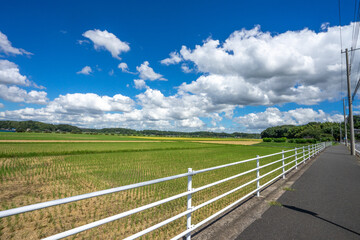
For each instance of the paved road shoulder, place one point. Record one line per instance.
(325, 203)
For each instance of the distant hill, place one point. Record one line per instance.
(35, 126)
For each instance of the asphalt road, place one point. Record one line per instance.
(325, 203)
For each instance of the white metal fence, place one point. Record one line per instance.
(357, 146)
(357, 152)
(300, 155)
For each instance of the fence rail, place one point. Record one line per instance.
(357, 152)
(300, 155)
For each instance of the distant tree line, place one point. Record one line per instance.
(34, 126)
(313, 130)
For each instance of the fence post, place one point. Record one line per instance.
(296, 163)
(312, 150)
(309, 151)
(188, 216)
(317, 149)
(304, 154)
(258, 175)
(283, 163)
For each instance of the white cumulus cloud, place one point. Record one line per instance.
(151, 110)
(16, 94)
(7, 48)
(108, 41)
(139, 84)
(194, 122)
(173, 59)
(185, 68)
(124, 68)
(147, 73)
(324, 26)
(85, 70)
(274, 117)
(90, 103)
(252, 67)
(10, 74)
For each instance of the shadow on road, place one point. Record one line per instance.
(316, 216)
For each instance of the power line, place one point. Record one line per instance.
(341, 45)
(355, 37)
(355, 32)
(356, 26)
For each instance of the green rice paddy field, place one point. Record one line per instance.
(33, 172)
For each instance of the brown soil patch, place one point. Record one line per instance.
(230, 142)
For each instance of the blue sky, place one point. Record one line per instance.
(236, 66)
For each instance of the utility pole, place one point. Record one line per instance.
(340, 133)
(350, 104)
(346, 139)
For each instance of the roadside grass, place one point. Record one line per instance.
(275, 203)
(38, 172)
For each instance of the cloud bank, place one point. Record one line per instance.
(274, 117)
(252, 67)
